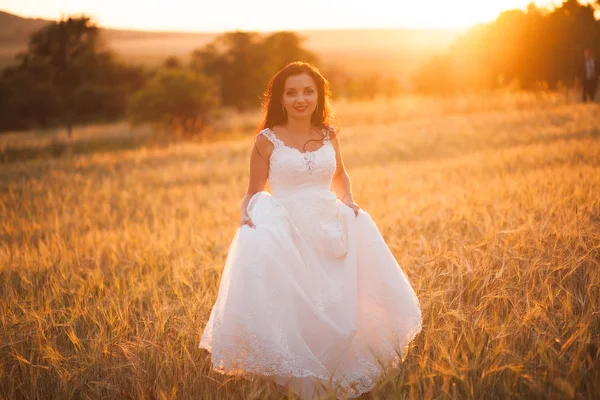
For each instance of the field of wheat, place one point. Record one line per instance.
(111, 255)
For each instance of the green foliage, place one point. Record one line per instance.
(241, 63)
(178, 98)
(530, 48)
(65, 78)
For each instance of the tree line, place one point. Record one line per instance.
(67, 76)
(528, 49)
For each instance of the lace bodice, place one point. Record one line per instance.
(292, 171)
(300, 182)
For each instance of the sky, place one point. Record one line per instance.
(271, 15)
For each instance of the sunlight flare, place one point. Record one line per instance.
(270, 15)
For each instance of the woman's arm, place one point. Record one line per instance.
(259, 172)
(341, 185)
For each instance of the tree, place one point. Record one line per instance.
(180, 99)
(172, 62)
(234, 60)
(66, 77)
(282, 48)
(533, 47)
(241, 63)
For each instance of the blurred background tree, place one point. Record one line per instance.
(176, 98)
(66, 78)
(533, 48)
(241, 63)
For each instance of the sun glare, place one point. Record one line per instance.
(270, 15)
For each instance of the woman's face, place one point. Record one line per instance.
(299, 96)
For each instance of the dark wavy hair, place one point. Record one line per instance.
(323, 117)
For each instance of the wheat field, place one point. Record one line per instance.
(111, 257)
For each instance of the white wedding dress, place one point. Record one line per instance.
(312, 297)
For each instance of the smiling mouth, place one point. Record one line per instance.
(300, 108)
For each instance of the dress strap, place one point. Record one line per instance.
(268, 133)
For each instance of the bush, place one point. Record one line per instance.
(178, 99)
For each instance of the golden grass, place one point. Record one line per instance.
(110, 260)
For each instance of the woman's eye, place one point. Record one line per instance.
(290, 93)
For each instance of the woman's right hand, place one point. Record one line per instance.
(246, 220)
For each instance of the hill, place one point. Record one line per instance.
(15, 29)
(399, 50)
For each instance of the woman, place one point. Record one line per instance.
(310, 295)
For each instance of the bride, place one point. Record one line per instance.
(310, 295)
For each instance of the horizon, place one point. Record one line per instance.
(317, 29)
(351, 15)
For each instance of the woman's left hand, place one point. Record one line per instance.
(350, 203)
